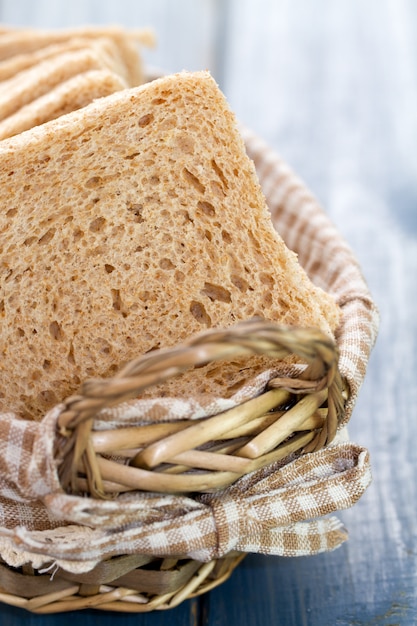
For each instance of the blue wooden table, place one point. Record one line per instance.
(332, 86)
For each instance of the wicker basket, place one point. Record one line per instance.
(148, 480)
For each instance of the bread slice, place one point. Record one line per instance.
(129, 41)
(69, 96)
(129, 225)
(39, 79)
(20, 62)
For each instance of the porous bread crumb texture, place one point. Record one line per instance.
(222, 378)
(132, 225)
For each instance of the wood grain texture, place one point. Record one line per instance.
(333, 88)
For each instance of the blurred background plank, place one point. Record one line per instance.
(187, 31)
(332, 86)
(335, 92)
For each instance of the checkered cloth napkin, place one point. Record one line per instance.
(284, 509)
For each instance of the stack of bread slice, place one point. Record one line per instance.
(46, 74)
(132, 224)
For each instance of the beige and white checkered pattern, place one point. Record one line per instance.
(283, 509)
(326, 257)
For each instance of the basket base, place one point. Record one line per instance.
(152, 584)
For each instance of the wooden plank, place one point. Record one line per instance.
(336, 95)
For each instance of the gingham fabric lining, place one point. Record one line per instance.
(326, 257)
(280, 510)
(276, 511)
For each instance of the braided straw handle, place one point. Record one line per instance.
(160, 462)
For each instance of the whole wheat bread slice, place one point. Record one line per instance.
(131, 224)
(129, 41)
(69, 96)
(20, 62)
(34, 82)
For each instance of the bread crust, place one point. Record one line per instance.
(38, 80)
(74, 93)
